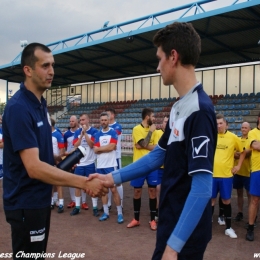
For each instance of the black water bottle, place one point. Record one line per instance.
(72, 159)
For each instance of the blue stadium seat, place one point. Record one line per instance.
(227, 96)
(252, 106)
(239, 119)
(238, 107)
(226, 113)
(238, 113)
(229, 101)
(245, 106)
(232, 113)
(237, 126)
(246, 113)
(231, 120)
(239, 133)
(231, 126)
(231, 107)
(225, 107)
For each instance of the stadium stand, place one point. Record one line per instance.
(236, 108)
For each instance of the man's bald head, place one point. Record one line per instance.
(73, 117)
(245, 128)
(73, 122)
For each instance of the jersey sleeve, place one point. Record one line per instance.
(65, 139)
(137, 135)
(114, 137)
(96, 140)
(21, 128)
(118, 129)
(251, 137)
(60, 140)
(94, 132)
(248, 144)
(239, 146)
(76, 135)
(200, 141)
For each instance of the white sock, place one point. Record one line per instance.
(83, 196)
(105, 207)
(94, 202)
(55, 196)
(72, 193)
(52, 201)
(119, 210)
(121, 193)
(61, 202)
(77, 199)
(109, 195)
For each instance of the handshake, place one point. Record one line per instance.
(97, 185)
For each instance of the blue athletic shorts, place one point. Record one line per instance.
(239, 182)
(151, 179)
(255, 184)
(85, 170)
(223, 186)
(160, 174)
(106, 170)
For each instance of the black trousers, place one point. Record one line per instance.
(30, 231)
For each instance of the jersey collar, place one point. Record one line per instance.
(32, 97)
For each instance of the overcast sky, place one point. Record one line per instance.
(48, 21)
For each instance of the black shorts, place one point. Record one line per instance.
(30, 230)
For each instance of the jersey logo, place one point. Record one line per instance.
(39, 123)
(176, 132)
(200, 146)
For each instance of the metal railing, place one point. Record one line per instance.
(68, 103)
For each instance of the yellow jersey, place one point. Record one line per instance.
(245, 167)
(255, 156)
(139, 133)
(227, 144)
(159, 134)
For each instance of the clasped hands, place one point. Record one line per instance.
(98, 184)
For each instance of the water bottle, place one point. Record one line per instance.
(72, 159)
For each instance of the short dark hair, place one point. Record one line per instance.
(53, 122)
(28, 58)
(84, 114)
(146, 112)
(104, 114)
(221, 116)
(181, 37)
(112, 110)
